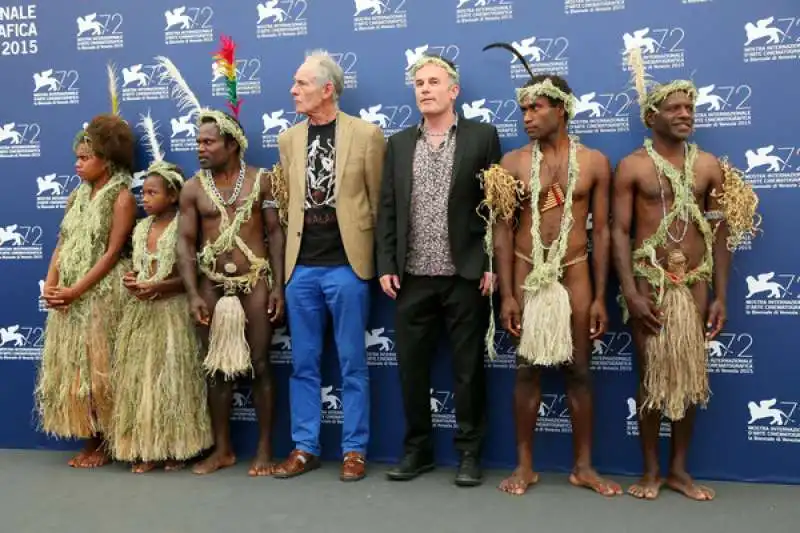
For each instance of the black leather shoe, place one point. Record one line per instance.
(410, 467)
(469, 471)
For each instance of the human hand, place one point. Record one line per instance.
(390, 284)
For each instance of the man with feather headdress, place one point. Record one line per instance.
(689, 210)
(229, 209)
(84, 290)
(539, 200)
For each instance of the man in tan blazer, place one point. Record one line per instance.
(333, 164)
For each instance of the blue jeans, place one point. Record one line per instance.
(310, 293)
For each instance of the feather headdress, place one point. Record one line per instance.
(113, 84)
(181, 92)
(225, 58)
(543, 88)
(649, 93)
(171, 173)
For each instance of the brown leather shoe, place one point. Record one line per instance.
(354, 467)
(298, 462)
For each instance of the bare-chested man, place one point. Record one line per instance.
(671, 191)
(548, 302)
(228, 193)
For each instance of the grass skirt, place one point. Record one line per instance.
(676, 375)
(160, 409)
(73, 389)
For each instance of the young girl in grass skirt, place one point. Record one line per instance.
(160, 409)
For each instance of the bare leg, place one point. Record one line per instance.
(527, 397)
(650, 484)
(259, 333)
(220, 393)
(579, 386)
(679, 478)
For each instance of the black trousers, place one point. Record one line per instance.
(424, 305)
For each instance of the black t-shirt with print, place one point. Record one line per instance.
(321, 244)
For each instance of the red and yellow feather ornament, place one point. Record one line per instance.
(225, 58)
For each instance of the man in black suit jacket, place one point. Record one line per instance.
(430, 242)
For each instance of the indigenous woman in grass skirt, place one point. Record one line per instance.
(160, 409)
(84, 290)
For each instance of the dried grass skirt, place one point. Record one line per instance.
(73, 389)
(160, 410)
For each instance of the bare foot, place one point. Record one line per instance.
(214, 462)
(173, 466)
(96, 459)
(141, 468)
(589, 478)
(682, 482)
(519, 481)
(262, 465)
(647, 488)
(88, 449)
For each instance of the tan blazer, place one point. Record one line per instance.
(360, 146)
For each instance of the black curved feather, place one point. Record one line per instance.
(513, 51)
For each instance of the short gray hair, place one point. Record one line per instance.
(327, 70)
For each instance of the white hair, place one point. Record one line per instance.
(327, 70)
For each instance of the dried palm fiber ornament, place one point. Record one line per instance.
(228, 351)
(546, 337)
(160, 408)
(73, 391)
(676, 376)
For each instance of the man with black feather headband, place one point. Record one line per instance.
(539, 199)
(690, 211)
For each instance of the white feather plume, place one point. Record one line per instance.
(151, 138)
(186, 100)
(112, 88)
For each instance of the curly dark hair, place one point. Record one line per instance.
(112, 140)
(227, 137)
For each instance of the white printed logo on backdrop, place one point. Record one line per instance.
(242, 409)
(661, 47)
(18, 30)
(331, 405)
(773, 167)
(772, 294)
(506, 356)
(613, 352)
(553, 414)
(20, 242)
(281, 18)
(772, 39)
(380, 347)
(445, 51)
(56, 87)
(503, 114)
(347, 61)
(730, 353)
(601, 113)
(183, 133)
(545, 55)
(248, 77)
(274, 123)
(186, 25)
(281, 349)
(574, 7)
(20, 139)
(632, 422)
(142, 81)
(21, 343)
(100, 31)
(53, 189)
(373, 15)
(471, 11)
(443, 413)
(772, 420)
(391, 118)
(723, 106)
